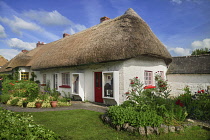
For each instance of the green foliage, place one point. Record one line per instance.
(200, 51)
(4, 98)
(14, 101)
(33, 76)
(16, 74)
(14, 126)
(22, 88)
(134, 117)
(197, 105)
(147, 106)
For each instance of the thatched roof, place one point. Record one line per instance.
(2, 61)
(190, 65)
(124, 37)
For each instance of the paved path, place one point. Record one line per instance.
(75, 105)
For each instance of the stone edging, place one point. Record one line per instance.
(148, 129)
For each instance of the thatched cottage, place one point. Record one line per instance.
(3, 61)
(97, 63)
(191, 71)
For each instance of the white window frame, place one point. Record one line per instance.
(148, 77)
(65, 77)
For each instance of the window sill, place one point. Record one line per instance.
(108, 97)
(64, 86)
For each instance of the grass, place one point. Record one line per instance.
(85, 125)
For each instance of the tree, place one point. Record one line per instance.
(201, 51)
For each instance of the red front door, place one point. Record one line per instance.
(98, 86)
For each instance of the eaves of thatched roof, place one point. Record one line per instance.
(199, 64)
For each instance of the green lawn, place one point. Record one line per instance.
(85, 125)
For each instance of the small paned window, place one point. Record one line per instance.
(66, 79)
(148, 78)
(24, 75)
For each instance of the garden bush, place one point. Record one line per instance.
(197, 105)
(15, 127)
(148, 106)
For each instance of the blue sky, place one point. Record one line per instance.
(181, 25)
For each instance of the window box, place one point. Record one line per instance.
(65, 86)
(42, 84)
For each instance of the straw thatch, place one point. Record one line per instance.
(3, 61)
(190, 65)
(124, 37)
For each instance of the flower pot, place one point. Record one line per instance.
(38, 105)
(53, 103)
(25, 104)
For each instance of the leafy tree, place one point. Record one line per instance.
(200, 51)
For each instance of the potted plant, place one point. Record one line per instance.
(53, 101)
(25, 102)
(54, 97)
(38, 103)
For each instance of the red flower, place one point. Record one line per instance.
(202, 91)
(181, 104)
(178, 102)
(16, 81)
(199, 91)
(127, 93)
(132, 83)
(137, 77)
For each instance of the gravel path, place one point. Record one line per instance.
(75, 105)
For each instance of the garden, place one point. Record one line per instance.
(149, 109)
(28, 94)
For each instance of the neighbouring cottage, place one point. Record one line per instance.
(192, 71)
(3, 61)
(97, 63)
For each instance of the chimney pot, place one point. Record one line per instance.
(65, 34)
(24, 51)
(39, 44)
(102, 19)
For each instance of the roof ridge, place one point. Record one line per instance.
(131, 12)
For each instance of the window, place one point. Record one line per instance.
(65, 79)
(24, 75)
(108, 87)
(44, 79)
(148, 79)
(55, 81)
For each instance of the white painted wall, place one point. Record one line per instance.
(135, 68)
(195, 82)
(127, 69)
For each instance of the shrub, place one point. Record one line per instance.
(4, 98)
(16, 126)
(14, 101)
(148, 106)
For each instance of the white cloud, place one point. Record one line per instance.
(177, 1)
(18, 24)
(47, 18)
(201, 44)
(18, 44)
(2, 32)
(178, 51)
(9, 53)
